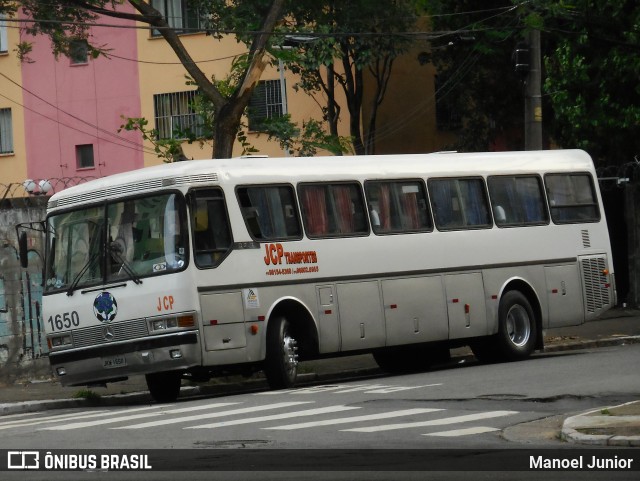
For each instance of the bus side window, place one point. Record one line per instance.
(517, 200)
(333, 210)
(210, 226)
(269, 212)
(572, 198)
(459, 203)
(398, 206)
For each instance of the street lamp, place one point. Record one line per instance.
(30, 185)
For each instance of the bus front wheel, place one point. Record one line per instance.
(281, 364)
(164, 386)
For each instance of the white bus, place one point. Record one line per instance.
(195, 269)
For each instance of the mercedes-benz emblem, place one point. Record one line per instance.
(107, 333)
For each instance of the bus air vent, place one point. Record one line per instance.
(189, 179)
(586, 241)
(596, 288)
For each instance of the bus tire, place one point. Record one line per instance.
(164, 386)
(281, 364)
(517, 329)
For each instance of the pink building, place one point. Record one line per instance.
(74, 108)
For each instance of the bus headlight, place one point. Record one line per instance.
(167, 323)
(59, 341)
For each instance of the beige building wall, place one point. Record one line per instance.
(406, 120)
(161, 72)
(13, 166)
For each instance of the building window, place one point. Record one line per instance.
(265, 103)
(179, 14)
(6, 132)
(176, 117)
(84, 156)
(3, 34)
(79, 51)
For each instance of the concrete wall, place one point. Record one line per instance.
(23, 346)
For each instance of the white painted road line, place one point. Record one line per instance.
(219, 414)
(435, 422)
(463, 432)
(67, 417)
(355, 419)
(295, 414)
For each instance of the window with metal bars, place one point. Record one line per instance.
(265, 103)
(175, 116)
(6, 132)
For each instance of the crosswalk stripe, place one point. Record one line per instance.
(218, 414)
(295, 414)
(434, 422)
(67, 417)
(200, 408)
(463, 432)
(354, 419)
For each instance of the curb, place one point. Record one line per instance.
(587, 421)
(606, 342)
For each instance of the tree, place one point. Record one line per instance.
(252, 21)
(476, 79)
(359, 36)
(592, 72)
(590, 53)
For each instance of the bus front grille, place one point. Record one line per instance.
(106, 333)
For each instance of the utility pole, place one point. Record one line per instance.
(533, 96)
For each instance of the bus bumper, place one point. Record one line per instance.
(117, 361)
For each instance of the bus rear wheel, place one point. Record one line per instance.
(281, 364)
(164, 386)
(517, 332)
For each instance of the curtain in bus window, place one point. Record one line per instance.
(442, 195)
(410, 216)
(277, 212)
(171, 232)
(259, 202)
(385, 208)
(532, 204)
(474, 202)
(315, 209)
(344, 209)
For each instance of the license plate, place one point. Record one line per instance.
(116, 361)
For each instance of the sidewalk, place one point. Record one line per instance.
(614, 426)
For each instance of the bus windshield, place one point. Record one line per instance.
(119, 241)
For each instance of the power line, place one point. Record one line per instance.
(100, 129)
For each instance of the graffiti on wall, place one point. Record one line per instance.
(23, 346)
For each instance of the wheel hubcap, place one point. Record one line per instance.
(518, 325)
(290, 355)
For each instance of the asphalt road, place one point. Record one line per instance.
(463, 406)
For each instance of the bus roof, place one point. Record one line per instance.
(255, 169)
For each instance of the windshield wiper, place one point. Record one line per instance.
(76, 279)
(116, 250)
